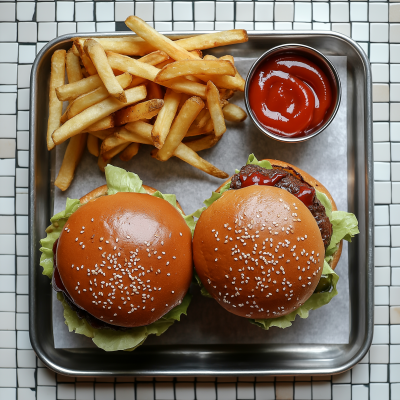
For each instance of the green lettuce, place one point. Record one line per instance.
(53, 233)
(344, 226)
(130, 339)
(118, 180)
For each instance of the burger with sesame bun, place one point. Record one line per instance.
(120, 260)
(267, 242)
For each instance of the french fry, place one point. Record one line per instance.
(73, 67)
(154, 58)
(102, 163)
(104, 124)
(145, 110)
(212, 40)
(157, 40)
(89, 99)
(136, 46)
(154, 91)
(223, 102)
(84, 72)
(198, 53)
(195, 67)
(193, 78)
(165, 118)
(116, 72)
(88, 64)
(134, 67)
(238, 77)
(64, 117)
(149, 72)
(110, 143)
(206, 142)
(86, 61)
(103, 134)
(98, 56)
(202, 118)
(234, 113)
(139, 132)
(71, 159)
(179, 127)
(164, 63)
(205, 130)
(114, 151)
(75, 50)
(183, 100)
(55, 105)
(191, 157)
(73, 90)
(224, 81)
(95, 113)
(214, 106)
(127, 45)
(129, 152)
(93, 145)
(226, 94)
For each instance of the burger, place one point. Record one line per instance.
(266, 246)
(120, 260)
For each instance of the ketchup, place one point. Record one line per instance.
(290, 95)
(258, 179)
(305, 194)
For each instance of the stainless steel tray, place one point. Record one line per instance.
(198, 360)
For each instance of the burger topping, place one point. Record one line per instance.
(255, 175)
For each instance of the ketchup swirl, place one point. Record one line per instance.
(305, 193)
(290, 95)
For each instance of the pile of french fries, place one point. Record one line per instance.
(171, 97)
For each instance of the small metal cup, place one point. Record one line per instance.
(319, 59)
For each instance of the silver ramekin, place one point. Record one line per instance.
(319, 59)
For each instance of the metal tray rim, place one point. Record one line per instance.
(363, 348)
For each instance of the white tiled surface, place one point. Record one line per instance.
(374, 24)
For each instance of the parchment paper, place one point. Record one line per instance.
(325, 157)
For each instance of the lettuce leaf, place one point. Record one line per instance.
(53, 233)
(118, 180)
(345, 226)
(111, 340)
(253, 160)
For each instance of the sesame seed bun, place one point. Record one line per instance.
(126, 258)
(302, 175)
(258, 251)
